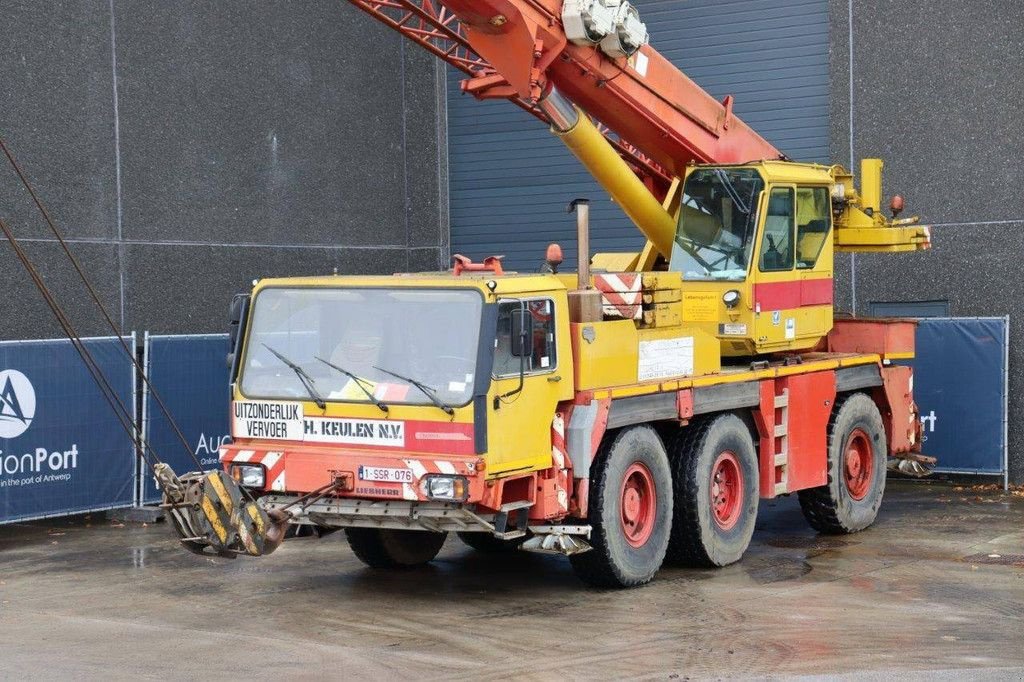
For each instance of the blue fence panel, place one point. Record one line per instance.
(960, 387)
(62, 448)
(191, 376)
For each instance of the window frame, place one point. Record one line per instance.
(769, 190)
(828, 232)
(554, 331)
(246, 338)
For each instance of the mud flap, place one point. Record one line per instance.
(212, 515)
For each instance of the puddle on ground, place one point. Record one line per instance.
(813, 542)
(778, 573)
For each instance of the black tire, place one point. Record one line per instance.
(488, 544)
(614, 561)
(388, 548)
(702, 537)
(837, 508)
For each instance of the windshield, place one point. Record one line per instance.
(363, 345)
(717, 222)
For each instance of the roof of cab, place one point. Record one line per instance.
(508, 283)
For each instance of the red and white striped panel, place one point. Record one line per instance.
(621, 294)
(420, 468)
(272, 461)
(560, 459)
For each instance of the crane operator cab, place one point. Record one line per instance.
(754, 249)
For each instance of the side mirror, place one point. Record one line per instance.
(237, 313)
(522, 334)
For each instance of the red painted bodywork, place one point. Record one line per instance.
(866, 335)
(895, 399)
(516, 49)
(810, 398)
(311, 467)
(795, 294)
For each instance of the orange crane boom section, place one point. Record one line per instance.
(518, 49)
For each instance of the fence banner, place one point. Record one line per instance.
(191, 377)
(960, 386)
(62, 448)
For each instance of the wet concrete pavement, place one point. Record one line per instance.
(916, 596)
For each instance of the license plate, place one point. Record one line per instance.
(385, 475)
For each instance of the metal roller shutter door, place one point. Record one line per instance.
(510, 180)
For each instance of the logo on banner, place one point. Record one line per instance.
(17, 403)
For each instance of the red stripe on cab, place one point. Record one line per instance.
(796, 294)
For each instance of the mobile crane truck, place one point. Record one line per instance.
(630, 413)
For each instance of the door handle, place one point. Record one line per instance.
(555, 379)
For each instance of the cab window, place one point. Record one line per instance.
(540, 323)
(813, 216)
(777, 243)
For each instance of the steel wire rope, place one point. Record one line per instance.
(130, 352)
(125, 418)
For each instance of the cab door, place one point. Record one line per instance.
(792, 281)
(532, 373)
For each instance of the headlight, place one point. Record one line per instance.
(731, 298)
(249, 475)
(450, 488)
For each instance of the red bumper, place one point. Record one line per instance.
(297, 468)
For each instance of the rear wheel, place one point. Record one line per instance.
(857, 452)
(630, 510)
(488, 544)
(389, 548)
(716, 492)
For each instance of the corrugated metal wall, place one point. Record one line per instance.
(511, 181)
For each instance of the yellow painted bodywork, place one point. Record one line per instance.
(813, 362)
(608, 352)
(519, 431)
(859, 226)
(862, 226)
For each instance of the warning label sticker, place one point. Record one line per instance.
(664, 358)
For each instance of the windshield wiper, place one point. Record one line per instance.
(304, 378)
(359, 382)
(426, 390)
(723, 177)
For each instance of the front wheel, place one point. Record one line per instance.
(857, 452)
(390, 548)
(630, 510)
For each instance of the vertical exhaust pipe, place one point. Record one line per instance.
(585, 301)
(582, 209)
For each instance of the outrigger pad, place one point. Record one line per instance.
(213, 513)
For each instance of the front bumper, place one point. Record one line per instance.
(399, 514)
(301, 469)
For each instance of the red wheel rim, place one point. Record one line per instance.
(858, 464)
(726, 490)
(638, 502)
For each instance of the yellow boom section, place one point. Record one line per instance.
(587, 143)
(861, 226)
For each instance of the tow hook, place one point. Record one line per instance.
(213, 516)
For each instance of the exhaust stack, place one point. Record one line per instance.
(585, 301)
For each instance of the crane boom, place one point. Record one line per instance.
(594, 53)
(657, 118)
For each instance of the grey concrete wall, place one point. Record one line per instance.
(186, 148)
(936, 92)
